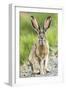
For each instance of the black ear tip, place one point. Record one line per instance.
(32, 17)
(49, 17)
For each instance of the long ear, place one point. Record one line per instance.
(47, 23)
(34, 23)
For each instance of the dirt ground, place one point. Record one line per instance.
(25, 71)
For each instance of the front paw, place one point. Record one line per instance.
(42, 73)
(47, 70)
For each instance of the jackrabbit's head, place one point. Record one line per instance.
(41, 31)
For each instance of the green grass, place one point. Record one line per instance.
(28, 35)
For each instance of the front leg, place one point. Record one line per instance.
(46, 64)
(42, 67)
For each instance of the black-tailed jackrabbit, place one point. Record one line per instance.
(39, 53)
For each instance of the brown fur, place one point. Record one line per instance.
(41, 50)
(37, 54)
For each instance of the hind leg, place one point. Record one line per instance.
(35, 70)
(35, 67)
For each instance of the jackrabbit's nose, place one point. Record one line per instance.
(41, 42)
(41, 37)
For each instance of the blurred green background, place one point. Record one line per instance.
(28, 36)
